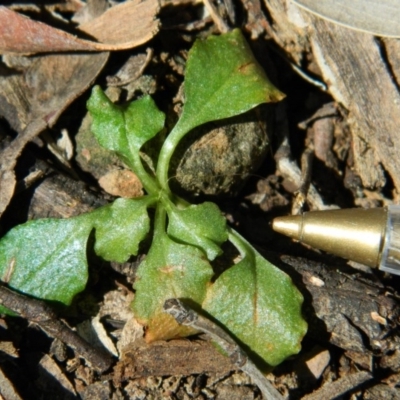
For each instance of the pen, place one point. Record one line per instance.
(368, 236)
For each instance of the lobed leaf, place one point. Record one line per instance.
(200, 225)
(259, 304)
(46, 258)
(124, 129)
(121, 227)
(170, 270)
(223, 79)
(108, 124)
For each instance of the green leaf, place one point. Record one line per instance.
(46, 258)
(121, 227)
(170, 270)
(222, 79)
(200, 225)
(143, 121)
(124, 129)
(259, 304)
(108, 123)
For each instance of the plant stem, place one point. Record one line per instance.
(245, 248)
(240, 243)
(149, 183)
(170, 144)
(160, 221)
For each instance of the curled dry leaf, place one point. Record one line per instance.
(125, 26)
(113, 30)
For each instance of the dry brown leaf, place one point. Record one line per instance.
(34, 99)
(124, 26)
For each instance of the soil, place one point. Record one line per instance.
(336, 130)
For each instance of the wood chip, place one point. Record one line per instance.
(176, 357)
(317, 364)
(339, 387)
(52, 368)
(7, 390)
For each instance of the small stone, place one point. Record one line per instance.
(122, 183)
(217, 158)
(318, 363)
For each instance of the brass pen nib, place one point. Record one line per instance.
(290, 226)
(370, 237)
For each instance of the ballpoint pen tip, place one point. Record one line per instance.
(289, 225)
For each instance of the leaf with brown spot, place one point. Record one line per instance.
(170, 270)
(221, 69)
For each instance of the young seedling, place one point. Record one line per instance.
(253, 300)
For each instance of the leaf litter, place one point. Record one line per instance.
(84, 381)
(35, 91)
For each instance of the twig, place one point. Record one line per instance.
(43, 315)
(218, 21)
(339, 387)
(305, 181)
(186, 316)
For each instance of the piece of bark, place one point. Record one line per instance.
(380, 392)
(289, 36)
(339, 387)
(357, 76)
(256, 21)
(338, 307)
(7, 390)
(392, 49)
(59, 196)
(96, 391)
(311, 365)
(50, 373)
(176, 357)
